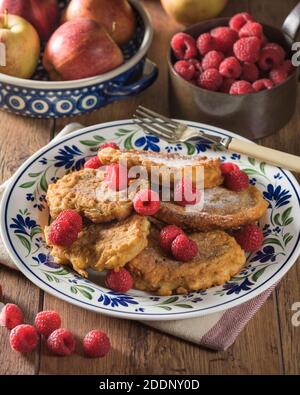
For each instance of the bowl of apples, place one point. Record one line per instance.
(60, 58)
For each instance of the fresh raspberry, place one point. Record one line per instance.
(47, 322)
(24, 338)
(239, 20)
(186, 193)
(11, 316)
(269, 58)
(261, 85)
(197, 64)
(184, 249)
(167, 235)
(210, 79)
(184, 46)
(96, 344)
(61, 342)
(225, 38)
(119, 281)
(185, 69)
(109, 145)
(230, 68)
(236, 180)
(288, 66)
(251, 29)
(264, 41)
(146, 202)
(250, 237)
(278, 75)
(116, 177)
(206, 43)
(228, 167)
(277, 48)
(241, 88)
(64, 230)
(93, 163)
(247, 49)
(212, 60)
(250, 72)
(226, 85)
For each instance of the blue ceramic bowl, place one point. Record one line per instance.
(41, 98)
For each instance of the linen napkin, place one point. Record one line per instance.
(216, 331)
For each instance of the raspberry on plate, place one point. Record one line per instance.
(250, 72)
(228, 167)
(146, 202)
(119, 281)
(116, 177)
(47, 322)
(96, 344)
(278, 75)
(72, 217)
(65, 228)
(184, 46)
(93, 163)
(226, 85)
(185, 69)
(184, 249)
(236, 180)
(262, 84)
(210, 79)
(269, 58)
(186, 193)
(206, 43)
(250, 237)
(167, 235)
(11, 316)
(212, 60)
(251, 29)
(247, 49)
(230, 68)
(24, 338)
(109, 145)
(61, 342)
(239, 20)
(225, 38)
(241, 88)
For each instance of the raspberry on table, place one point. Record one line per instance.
(251, 29)
(277, 48)
(146, 202)
(241, 88)
(119, 281)
(262, 84)
(278, 75)
(167, 235)
(212, 60)
(247, 49)
(250, 72)
(109, 144)
(116, 177)
(186, 193)
(184, 249)
(239, 20)
(230, 68)
(96, 344)
(184, 46)
(225, 38)
(24, 338)
(11, 316)
(226, 85)
(92, 163)
(185, 69)
(269, 58)
(228, 167)
(210, 79)
(47, 322)
(65, 228)
(61, 342)
(236, 180)
(206, 43)
(250, 237)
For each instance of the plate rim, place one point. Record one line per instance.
(164, 316)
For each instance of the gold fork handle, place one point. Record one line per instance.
(268, 155)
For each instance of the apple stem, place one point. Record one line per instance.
(5, 23)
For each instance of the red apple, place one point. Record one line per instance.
(42, 14)
(116, 16)
(80, 48)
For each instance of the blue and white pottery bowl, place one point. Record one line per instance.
(41, 98)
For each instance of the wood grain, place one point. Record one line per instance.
(268, 345)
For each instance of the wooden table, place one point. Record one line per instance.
(269, 344)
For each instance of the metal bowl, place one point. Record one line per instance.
(41, 98)
(251, 115)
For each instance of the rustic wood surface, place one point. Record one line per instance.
(268, 345)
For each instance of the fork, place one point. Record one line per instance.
(178, 132)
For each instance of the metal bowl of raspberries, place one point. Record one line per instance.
(235, 73)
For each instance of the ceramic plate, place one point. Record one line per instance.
(24, 213)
